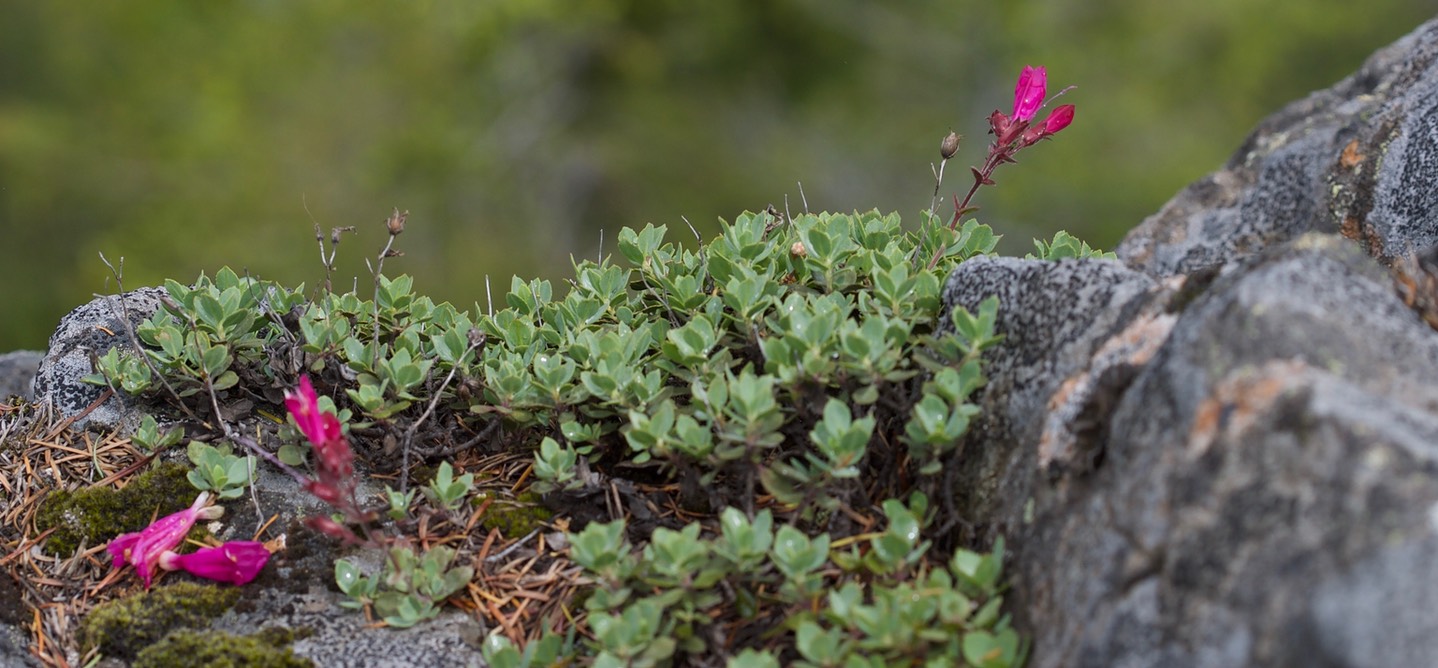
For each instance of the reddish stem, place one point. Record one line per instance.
(981, 176)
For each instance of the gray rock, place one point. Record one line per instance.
(83, 334)
(1227, 453)
(1356, 158)
(1055, 318)
(1259, 484)
(341, 638)
(17, 373)
(14, 614)
(297, 592)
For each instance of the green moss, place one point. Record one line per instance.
(183, 649)
(280, 636)
(123, 627)
(97, 514)
(514, 518)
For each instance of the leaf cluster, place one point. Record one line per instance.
(794, 373)
(877, 603)
(410, 587)
(218, 470)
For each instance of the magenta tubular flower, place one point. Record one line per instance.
(121, 547)
(317, 426)
(236, 562)
(1059, 119)
(1029, 93)
(323, 429)
(144, 549)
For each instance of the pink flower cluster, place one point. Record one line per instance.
(334, 461)
(235, 562)
(1014, 131)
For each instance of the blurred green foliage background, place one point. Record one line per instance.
(187, 136)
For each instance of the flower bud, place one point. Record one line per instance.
(330, 528)
(950, 145)
(324, 492)
(998, 123)
(797, 250)
(1059, 119)
(477, 338)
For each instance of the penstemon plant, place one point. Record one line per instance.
(1012, 133)
(412, 585)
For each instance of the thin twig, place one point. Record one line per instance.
(691, 229)
(673, 319)
(378, 272)
(135, 340)
(515, 546)
(488, 431)
(488, 298)
(938, 181)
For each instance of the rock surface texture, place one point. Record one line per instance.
(1223, 450)
(84, 334)
(17, 373)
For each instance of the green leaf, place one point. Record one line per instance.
(291, 454)
(796, 554)
(987, 650)
(347, 576)
(752, 658)
(216, 360)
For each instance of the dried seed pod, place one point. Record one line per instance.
(476, 338)
(950, 145)
(395, 223)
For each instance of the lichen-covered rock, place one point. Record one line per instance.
(1047, 380)
(84, 334)
(1261, 488)
(14, 614)
(1272, 457)
(1357, 158)
(1227, 454)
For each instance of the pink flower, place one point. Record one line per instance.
(332, 451)
(1059, 119)
(304, 404)
(236, 562)
(144, 549)
(1029, 93)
